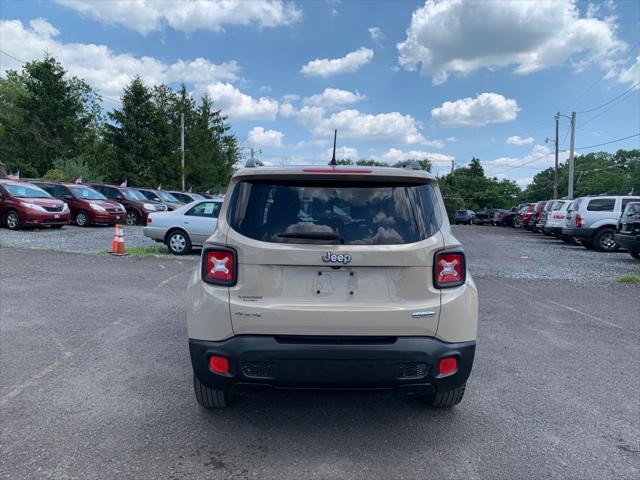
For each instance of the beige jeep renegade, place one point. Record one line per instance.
(332, 278)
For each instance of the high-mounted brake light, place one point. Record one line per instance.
(220, 266)
(336, 170)
(449, 269)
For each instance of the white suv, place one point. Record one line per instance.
(592, 221)
(332, 278)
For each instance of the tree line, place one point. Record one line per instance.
(52, 126)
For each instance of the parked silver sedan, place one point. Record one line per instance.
(185, 227)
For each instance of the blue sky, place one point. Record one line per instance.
(445, 80)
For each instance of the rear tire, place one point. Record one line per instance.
(209, 397)
(446, 399)
(604, 240)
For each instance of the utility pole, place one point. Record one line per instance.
(571, 149)
(452, 164)
(182, 147)
(251, 153)
(555, 174)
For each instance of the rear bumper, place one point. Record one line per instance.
(579, 233)
(628, 241)
(154, 233)
(553, 230)
(407, 364)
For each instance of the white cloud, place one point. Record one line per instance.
(454, 36)
(376, 34)
(326, 67)
(102, 68)
(351, 124)
(519, 141)
(541, 157)
(524, 182)
(287, 110)
(486, 108)
(240, 106)
(145, 16)
(259, 137)
(394, 155)
(631, 74)
(344, 153)
(332, 97)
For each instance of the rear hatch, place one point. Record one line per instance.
(335, 255)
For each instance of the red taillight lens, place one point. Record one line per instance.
(448, 365)
(578, 221)
(219, 266)
(219, 364)
(149, 220)
(449, 269)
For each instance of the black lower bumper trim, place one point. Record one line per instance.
(628, 241)
(260, 362)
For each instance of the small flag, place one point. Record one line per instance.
(159, 187)
(190, 189)
(78, 180)
(14, 176)
(124, 184)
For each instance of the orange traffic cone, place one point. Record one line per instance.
(117, 247)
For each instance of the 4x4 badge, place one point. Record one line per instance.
(336, 258)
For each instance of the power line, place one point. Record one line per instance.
(612, 100)
(11, 56)
(603, 112)
(594, 84)
(607, 143)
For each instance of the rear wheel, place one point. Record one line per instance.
(82, 219)
(178, 242)
(448, 398)
(604, 240)
(12, 220)
(209, 397)
(517, 223)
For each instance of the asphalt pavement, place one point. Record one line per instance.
(96, 380)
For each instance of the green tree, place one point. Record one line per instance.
(45, 115)
(132, 135)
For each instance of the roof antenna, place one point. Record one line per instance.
(333, 162)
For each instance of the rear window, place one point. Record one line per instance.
(601, 205)
(336, 212)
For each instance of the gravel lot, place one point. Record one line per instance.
(96, 380)
(73, 239)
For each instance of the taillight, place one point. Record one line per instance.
(449, 269)
(448, 365)
(220, 266)
(578, 221)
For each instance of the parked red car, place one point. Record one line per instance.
(536, 216)
(137, 205)
(88, 206)
(26, 205)
(525, 216)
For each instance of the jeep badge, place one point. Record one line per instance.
(336, 258)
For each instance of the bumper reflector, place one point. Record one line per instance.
(448, 365)
(219, 364)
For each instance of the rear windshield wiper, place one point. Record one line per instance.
(312, 236)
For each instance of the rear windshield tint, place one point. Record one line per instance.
(337, 212)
